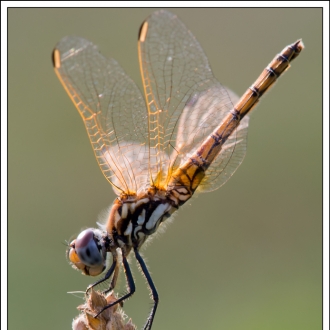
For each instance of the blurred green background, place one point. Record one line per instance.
(247, 256)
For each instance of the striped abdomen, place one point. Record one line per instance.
(191, 172)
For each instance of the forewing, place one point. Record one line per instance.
(112, 109)
(185, 102)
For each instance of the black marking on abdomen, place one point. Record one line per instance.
(272, 73)
(236, 114)
(283, 57)
(255, 91)
(217, 139)
(221, 139)
(195, 162)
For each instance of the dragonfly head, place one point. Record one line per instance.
(87, 253)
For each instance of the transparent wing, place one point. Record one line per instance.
(185, 102)
(191, 133)
(112, 109)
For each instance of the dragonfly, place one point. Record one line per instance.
(186, 135)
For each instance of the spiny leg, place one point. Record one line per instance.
(114, 279)
(152, 288)
(130, 283)
(113, 268)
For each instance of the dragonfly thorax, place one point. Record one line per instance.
(133, 218)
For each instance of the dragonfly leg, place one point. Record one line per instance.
(113, 268)
(152, 288)
(114, 279)
(130, 283)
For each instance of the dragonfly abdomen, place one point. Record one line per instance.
(191, 172)
(270, 74)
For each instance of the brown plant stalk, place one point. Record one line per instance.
(112, 318)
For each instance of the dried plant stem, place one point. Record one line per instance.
(112, 318)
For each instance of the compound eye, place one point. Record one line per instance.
(87, 249)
